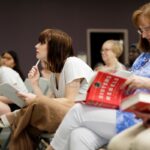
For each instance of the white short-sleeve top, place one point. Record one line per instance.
(74, 68)
(8, 75)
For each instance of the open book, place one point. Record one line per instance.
(106, 91)
(136, 102)
(10, 92)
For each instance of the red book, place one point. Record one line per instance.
(136, 102)
(106, 91)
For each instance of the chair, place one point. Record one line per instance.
(45, 139)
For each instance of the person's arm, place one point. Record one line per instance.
(71, 91)
(5, 100)
(135, 82)
(145, 116)
(34, 76)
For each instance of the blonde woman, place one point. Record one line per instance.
(111, 51)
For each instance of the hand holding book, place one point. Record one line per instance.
(145, 116)
(135, 82)
(116, 91)
(106, 91)
(140, 101)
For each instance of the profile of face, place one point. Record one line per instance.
(7, 60)
(54, 47)
(41, 51)
(107, 52)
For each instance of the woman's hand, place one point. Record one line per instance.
(145, 116)
(27, 97)
(134, 82)
(34, 75)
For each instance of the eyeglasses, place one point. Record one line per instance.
(105, 50)
(144, 30)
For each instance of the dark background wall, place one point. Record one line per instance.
(21, 21)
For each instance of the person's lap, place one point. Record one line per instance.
(123, 140)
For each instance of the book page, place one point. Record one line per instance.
(123, 73)
(10, 92)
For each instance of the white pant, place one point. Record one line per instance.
(84, 126)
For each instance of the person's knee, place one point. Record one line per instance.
(85, 139)
(41, 105)
(76, 109)
(114, 144)
(75, 136)
(4, 108)
(141, 142)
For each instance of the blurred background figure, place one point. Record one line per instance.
(111, 51)
(8, 75)
(134, 52)
(10, 59)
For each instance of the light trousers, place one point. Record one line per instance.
(85, 126)
(134, 138)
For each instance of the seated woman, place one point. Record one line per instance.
(88, 128)
(10, 59)
(137, 137)
(8, 75)
(111, 51)
(69, 81)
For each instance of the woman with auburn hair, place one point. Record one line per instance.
(88, 128)
(137, 137)
(68, 83)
